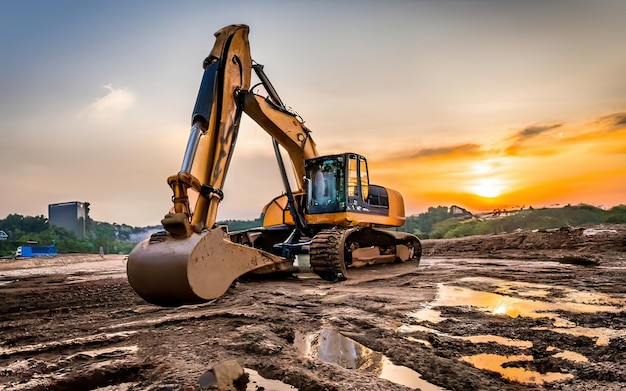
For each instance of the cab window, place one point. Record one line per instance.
(325, 187)
(353, 177)
(365, 186)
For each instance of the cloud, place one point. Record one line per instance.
(534, 130)
(441, 152)
(528, 133)
(613, 121)
(518, 149)
(620, 119)
(606, 133)
(110, 106)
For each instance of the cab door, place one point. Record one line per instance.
(358, 180)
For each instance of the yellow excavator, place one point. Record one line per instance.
(333, 215)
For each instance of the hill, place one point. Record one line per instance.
(444, 223)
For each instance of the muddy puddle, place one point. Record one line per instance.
(568, 355)
(257, 382)
(331, 346)
(503, 365)
(517, 299)
(601, 335)
(514, 300)
(486, 338)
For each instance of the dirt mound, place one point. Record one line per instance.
(578, 245)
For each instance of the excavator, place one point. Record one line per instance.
(331, 213)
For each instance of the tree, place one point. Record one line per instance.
(422, 224)
(15, 225)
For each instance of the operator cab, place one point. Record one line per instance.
(340, 183)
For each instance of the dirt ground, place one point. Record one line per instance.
(519, 311)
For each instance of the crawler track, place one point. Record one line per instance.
(331, 249)
(327, 254)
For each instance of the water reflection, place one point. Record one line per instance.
(472, 338)
(500, 304)
(427, 314)
(333, 347)
(495, 363)
(258, 382)
(505, 287)
(512, 306)
(499, 340)
(603, 335)
(519, 299)
(527, 289)
(571, 356)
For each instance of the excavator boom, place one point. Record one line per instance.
(192, 261)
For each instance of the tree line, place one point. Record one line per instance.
(436, 223)
(114, 238)
(439, 222)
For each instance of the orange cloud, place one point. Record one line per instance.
(613, 121)
(446, 152)
(530, 132)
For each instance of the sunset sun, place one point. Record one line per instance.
(487, 187)
(487, 182)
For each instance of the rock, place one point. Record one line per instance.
(224, 376)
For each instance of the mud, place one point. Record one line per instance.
(520, 311)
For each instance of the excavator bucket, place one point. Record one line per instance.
(171, 272)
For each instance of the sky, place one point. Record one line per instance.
(483, 104)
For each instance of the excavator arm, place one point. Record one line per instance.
(192, 260)
(215, 124)
(284, 127)
(224, 94)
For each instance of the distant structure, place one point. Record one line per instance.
(458, 212)
(70, 215)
